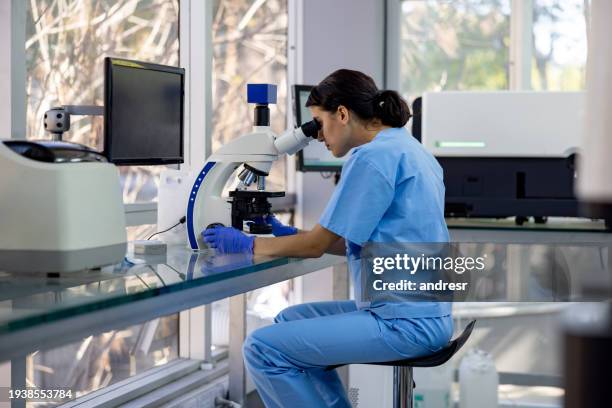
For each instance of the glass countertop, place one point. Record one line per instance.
(28, 299)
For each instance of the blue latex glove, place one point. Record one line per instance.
(228, 240)
(278, 229)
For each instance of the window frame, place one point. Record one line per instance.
(12, 72)
(195, 48)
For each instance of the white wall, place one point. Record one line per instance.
(336, 34)
(343, 34)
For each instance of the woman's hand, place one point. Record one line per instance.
(278, 228)
(228, 240)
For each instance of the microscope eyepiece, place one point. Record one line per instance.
(311, 129)
(294, 140)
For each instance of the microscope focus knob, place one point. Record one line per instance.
(214, 225)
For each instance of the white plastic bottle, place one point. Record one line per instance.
(478, 381)
(433, 386)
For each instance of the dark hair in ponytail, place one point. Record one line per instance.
(358, 92)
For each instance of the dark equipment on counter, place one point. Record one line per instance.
(250, 205)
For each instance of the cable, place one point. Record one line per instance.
(155, 272)
(181, 221)
(180, 274)
(143, 281)
(336, 178)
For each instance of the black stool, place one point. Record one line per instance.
(402, 369)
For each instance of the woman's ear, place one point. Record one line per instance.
(343, 114)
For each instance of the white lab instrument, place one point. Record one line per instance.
(61, 208)
(506, 153)
(502, 123)
(256, 152)
(149, 247)
(478, 381)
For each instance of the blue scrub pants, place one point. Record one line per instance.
(287, 360)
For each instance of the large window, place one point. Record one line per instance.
(104, 359)
(66, 42)
(249, 46)
(559, 44)
(466, 45)
(458, 45)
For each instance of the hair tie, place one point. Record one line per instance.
(377, 97)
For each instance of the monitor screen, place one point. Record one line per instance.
(315, 156)
(143, 112)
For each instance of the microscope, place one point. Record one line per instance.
(252, 155)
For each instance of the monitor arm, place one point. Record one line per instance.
(57, 119)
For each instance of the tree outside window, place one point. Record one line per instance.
(66, 42)
(249, 46)
(559, 44)
(458, 45)
(465, 45)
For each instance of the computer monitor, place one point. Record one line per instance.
(315, 157)
(143, 112)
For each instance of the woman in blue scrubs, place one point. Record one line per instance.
(391, 191)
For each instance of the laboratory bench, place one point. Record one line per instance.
(42, 311)
(573, 256)
(574, 249)
(60, 309)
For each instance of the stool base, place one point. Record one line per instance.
(403, 387)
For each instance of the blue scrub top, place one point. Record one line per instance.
(391, 190)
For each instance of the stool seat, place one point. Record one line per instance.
(431, 360)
